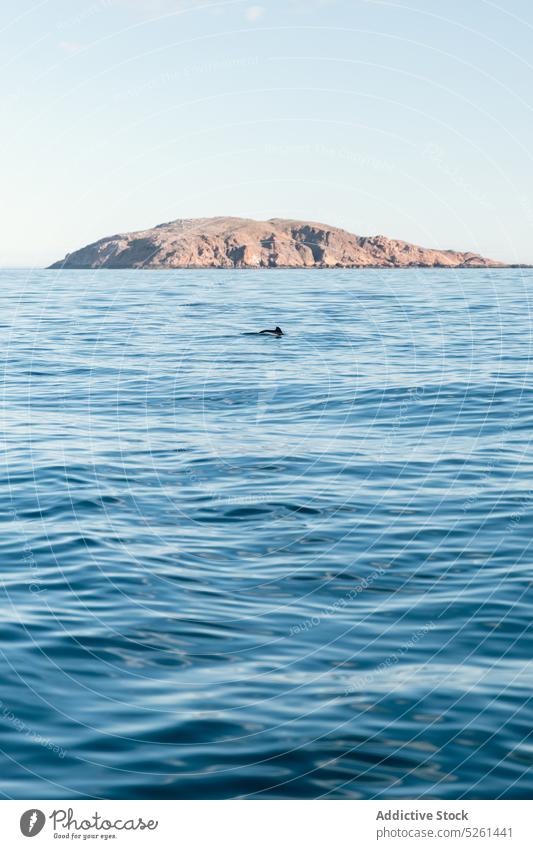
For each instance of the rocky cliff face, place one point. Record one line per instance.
(244, 243)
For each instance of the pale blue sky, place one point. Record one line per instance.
(409, 119)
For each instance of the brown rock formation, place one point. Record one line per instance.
(244, 243)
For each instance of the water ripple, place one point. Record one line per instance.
(242, 567)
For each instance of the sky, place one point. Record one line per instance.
(408, 119)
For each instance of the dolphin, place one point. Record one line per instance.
(277, 332)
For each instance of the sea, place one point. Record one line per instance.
(242, 566)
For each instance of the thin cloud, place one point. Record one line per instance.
(253, 13)
(71, 47)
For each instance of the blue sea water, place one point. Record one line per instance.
(242, 566)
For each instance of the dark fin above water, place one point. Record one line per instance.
(276, 332)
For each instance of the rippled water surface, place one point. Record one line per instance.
(237, 565)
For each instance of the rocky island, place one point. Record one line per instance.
(245, 243)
